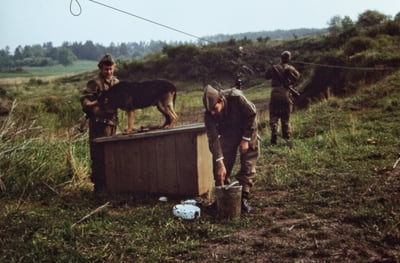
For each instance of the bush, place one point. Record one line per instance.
(358, 44)
(65, 111)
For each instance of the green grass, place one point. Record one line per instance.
(329, 194)
(76, 67)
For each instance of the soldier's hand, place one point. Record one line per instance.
(90, 103)
(96, 111)
(244, 146)
(221, 172)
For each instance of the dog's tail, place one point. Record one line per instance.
(174, 99)
(172, 107)
(167, 104)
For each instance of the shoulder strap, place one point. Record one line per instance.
(279, 73)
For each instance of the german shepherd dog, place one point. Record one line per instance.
(129, 96)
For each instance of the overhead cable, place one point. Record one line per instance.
(343, 67)
(150, 21)
(209, 41)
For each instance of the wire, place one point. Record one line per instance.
(209, 41)
(342, 67)
(72, 12)
(151, 21)
(377, 68)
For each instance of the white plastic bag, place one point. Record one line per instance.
(186, 211)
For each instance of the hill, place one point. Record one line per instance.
(274, 34)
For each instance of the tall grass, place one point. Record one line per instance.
(34, 161)
(334, 176)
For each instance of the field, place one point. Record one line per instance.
(57, 70)
(330, 194)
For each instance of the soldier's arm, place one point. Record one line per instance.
(250, 113)
(269, 73)
(212, 135)
(292, 74)
(90, 93)
(89, 97)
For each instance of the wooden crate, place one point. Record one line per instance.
(172, 161)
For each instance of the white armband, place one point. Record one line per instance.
(219, 159)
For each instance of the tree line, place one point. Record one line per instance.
(47, 54)
(370, 42)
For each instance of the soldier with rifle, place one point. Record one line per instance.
(283, 78)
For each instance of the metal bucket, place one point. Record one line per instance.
(229, 201)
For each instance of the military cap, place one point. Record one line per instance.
(210, 97)
(107, 59)
(286, 56)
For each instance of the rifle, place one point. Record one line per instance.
(284, 81)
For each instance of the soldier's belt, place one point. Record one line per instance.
(106, 121)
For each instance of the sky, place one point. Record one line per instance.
(30, 22)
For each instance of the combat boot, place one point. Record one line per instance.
(246, 208)
(286, 131)
(273, 139)
(286, 136)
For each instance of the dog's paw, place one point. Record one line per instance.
(128, 131)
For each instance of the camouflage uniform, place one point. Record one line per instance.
(105, 124)
(225, 131)
(281, 100)
(99, 125)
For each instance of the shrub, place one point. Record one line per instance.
(358, 44)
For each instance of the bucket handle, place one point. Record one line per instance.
(232, 184)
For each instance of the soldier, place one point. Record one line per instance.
(241, 69)
(230, 121)
(283, 77)
(102, 120)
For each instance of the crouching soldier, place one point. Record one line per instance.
(230, 121)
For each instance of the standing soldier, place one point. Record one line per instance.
(283, 78)
(230, 121)
(102, 120)
(241, 69)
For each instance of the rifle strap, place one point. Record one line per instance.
(279, 73)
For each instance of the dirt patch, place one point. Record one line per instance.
(291, 235)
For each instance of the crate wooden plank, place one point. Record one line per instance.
(116, 165)
(192, 128)
(166, 165)
(124, 166)
(148, 173)
(173, 161)
(204, 164)
(186, 149)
